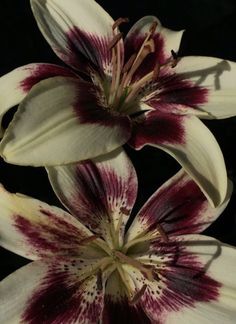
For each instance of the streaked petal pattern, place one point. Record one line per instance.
(179, 207)
(79, 31)
(34, 229)
(100, 193)
(51, 292)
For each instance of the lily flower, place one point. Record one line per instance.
(116, 91)
(88, 268)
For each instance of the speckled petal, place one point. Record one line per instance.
(52, 292)
(99, 192)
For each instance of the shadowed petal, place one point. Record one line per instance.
(15, 85)
(34, 229)
(44, 292)
(190, 142)
(196, 281)
(179, 207)
(214, 76)
(164, 39)
(62, 121)
(99, 192)
(79, 31)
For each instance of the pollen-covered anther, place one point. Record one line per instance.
(119, 21)
(114, 41)
(153, 28)
(138, 295)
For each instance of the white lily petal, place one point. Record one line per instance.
(34, 229)
(15, 85)
(100, 193)
(179, 207)
(51, 292)
(191, 143)
(217, 77)
(60, 122)
(76, 30)
(219, 264)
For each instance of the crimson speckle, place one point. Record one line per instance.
(60, 300)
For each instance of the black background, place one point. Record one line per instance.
(210, 30)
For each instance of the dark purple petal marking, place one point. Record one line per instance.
(43, 71)
(51, 235)
(87, 51)
(179, 207)
(132, 45)
(60, 299)
(90, 109)
(158, 128)
(174, 92)
(120, 311)
(101, 191)
(185, 279)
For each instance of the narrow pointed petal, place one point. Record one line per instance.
(179, 206)
(15, 85)
(100, 193)
(216, 78)
(190, 142)
(44, 292)
(62, 121)
(195, 281)
(79, 31)
(117, 308)
(165, 41)
(34, 229)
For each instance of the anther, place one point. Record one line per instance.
(162, 233)
(119, 21)
(137, 296)
(153, 28)
(175, 58)
(174, 54)
(114, 41)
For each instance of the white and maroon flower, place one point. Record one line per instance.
(88, 268)
(136, 91)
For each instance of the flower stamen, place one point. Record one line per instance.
(119, 21)
(115, 40)
(138, 295)
(146, 270)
